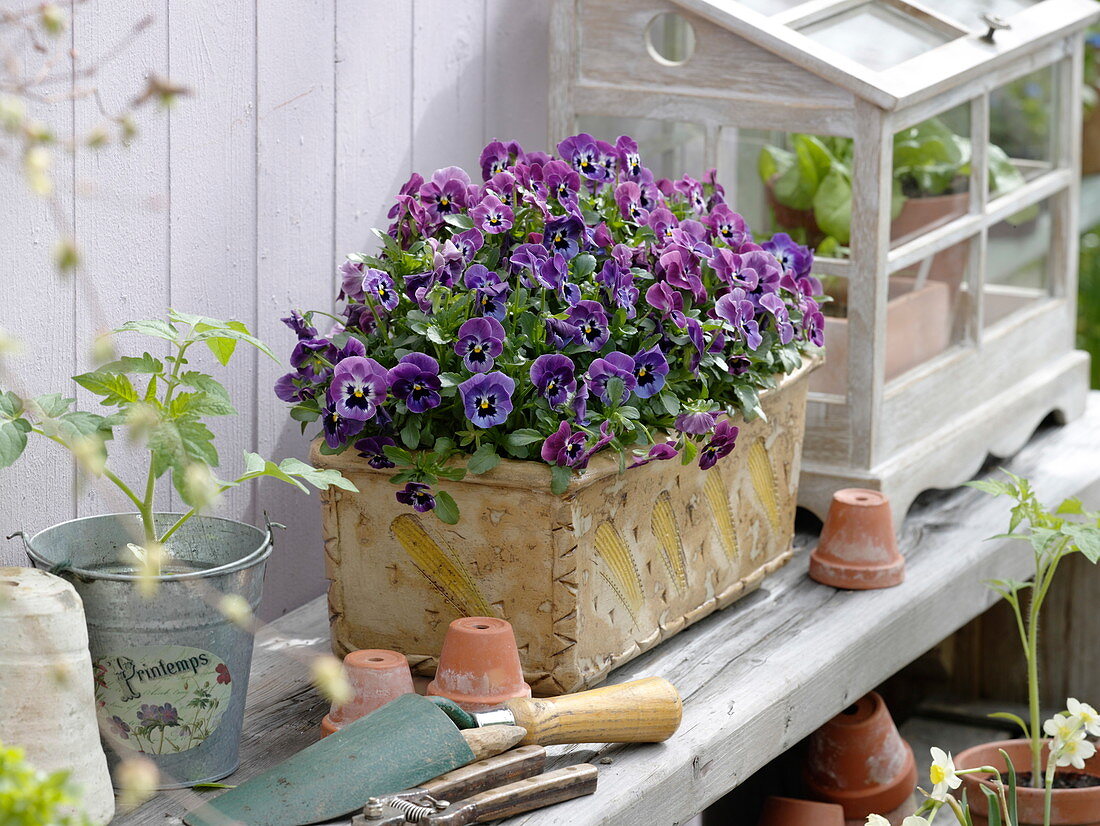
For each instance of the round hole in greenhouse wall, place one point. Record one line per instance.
(670, 39)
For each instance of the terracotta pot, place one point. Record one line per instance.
(785, 811)
(479, 666)
(918, 328)
(376, 677)
(47, 702)
(1069, 807)
(858, 549)
(589, 579)
(859, 761)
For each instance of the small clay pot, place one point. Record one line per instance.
(479, 665)
(1069, 807)
(786, 811)
(859, 761)
(376, 677)
(858, 550)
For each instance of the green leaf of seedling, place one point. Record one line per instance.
(202, 787)
(153, 327)
(13, 440)
(256, 466)
(1086, 539)
(1072, 505)
(222, 341)
(832, 205)
(11, 405)
(320, 479)
(52, 405)
(484, 459)
(993, 487)
(132, 364)
(1015, 719)
(445, 508)
(115, 388)
(1011, 797)
(560, 477)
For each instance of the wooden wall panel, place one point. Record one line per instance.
(305, 119)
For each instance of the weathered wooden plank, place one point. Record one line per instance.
(30, 499)
(295, 100)
(212, 168)
(755, 678)
(517, 72)
(121, 216)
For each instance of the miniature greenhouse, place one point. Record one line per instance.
(927, 151)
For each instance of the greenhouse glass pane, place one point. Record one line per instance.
(670, 149)
(878, 36)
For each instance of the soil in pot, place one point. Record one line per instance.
(1075, 806)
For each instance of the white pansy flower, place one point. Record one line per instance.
(1085, 715)
(1073, 752)
(942, 774)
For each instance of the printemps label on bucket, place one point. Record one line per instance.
(161, 699)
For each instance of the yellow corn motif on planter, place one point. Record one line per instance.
(439, 567)
(619, 569)
(763, 481)
(721, 509)
(667, 532)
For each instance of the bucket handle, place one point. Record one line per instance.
(54, 569)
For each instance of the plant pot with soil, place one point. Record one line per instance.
(168, 597)
(554, 367)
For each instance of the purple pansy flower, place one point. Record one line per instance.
(496, 157)
(584, 155)
(480, 341)
(418, 495)
(294, 387)
(351, 280)
(492, 216)
(338, 429)
(372, 449)
(313, 358)
(552, 272)
(468, 243)
(490, 293)
(526, 259)
(379, 286)
(302, 328)
(628, 197)
(563, 235)
(719, 446)
(614, 365)
(590, 321)
(650, 369)
(727, 225)
(352, 347)
(774, 305)
(358, 386)
(415, 381)
(735, 308)
(631, 161)
(562, 182)
(566, 447)
(445, 193)
(793, 258)
(696, 422)
(667, 301)
(487, 398)
(554, 376)
(560, 333)
(658, 452)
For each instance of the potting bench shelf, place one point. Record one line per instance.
(756, 678)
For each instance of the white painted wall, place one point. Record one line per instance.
(306, 117)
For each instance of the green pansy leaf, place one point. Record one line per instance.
(446, 509)
(560, 477)
(521, 437)
(484, 459)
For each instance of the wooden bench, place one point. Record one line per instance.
(755, 678)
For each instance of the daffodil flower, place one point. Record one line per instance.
(877, 820)
(1073, 752)
(1063, 728)
(1086, 716)
(942, 774)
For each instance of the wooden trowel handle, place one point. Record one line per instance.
(642, 711)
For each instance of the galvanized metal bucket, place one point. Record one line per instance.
(171, 670)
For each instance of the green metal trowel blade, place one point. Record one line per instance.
(404, 743)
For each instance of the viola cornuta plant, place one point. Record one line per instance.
(163, 402)
(562, 306)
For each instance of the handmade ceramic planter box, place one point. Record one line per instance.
(589, 579)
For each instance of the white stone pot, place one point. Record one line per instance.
(47, 703)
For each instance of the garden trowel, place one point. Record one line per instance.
(411, 740)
